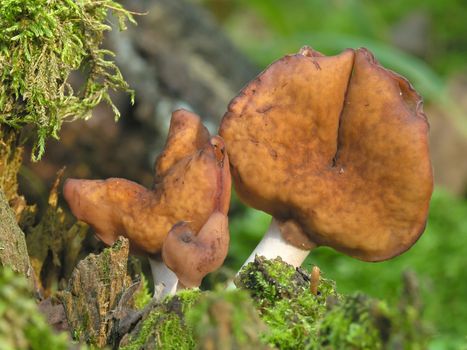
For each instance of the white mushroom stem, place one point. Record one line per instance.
(165, 280)
(273, 245)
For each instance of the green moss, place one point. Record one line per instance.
(173, 334)
(269, 281)
(21, 324)
(353, 324)
(164, 327)
(293, 324)
(191, 319)
(106, 261)
(142, 296)
(187, 298)
(297, 319)
(286, 304)
(41, 43)
(166, 330)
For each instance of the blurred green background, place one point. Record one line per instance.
(425, 41)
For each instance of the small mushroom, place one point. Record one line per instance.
(336, 150)
(191, 256)
(314, 280)
(186, 210)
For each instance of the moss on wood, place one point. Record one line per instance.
(163, 325)
(95, 291)
(298, 319)
(273, 308)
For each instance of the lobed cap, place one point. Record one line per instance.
(336, 149)
(192, 183)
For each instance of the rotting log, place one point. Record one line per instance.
(98, 289)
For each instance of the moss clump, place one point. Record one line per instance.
(142, 296)
(21, 324)
(41, 43)
(357, 322)
(298, 319)
(161, 330)
(164, 326)
(286, 304)
(195, 320)
(294, 324)
(269, 281)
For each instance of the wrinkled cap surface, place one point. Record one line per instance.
(192, 182)
(336, 148)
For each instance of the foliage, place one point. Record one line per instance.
(21, 324)
(447, 44)
(438, 259)
(42, 42)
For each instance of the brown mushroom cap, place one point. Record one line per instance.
(336, 148)
(191, 184)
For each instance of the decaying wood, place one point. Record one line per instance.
(96, 289)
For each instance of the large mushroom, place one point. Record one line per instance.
(182, 222)
(336, 150)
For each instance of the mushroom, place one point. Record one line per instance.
(183, 219)
(336, 150)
